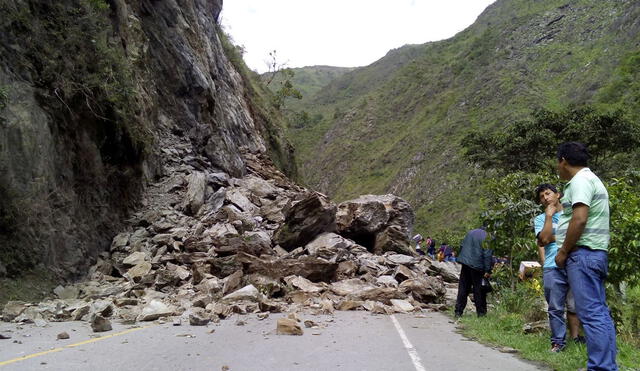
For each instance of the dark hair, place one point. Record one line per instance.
(575, 153)
(543, 187)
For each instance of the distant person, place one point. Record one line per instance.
(583, 234)
(421, 248)
(431, 248)
(447, 252)
(476, 264)
(452, 255)
(556, 284)
(417, 239)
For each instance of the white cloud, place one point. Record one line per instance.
(344, 33)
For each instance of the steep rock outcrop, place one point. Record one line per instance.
(102, 99)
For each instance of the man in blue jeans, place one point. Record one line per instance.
(583, 233)
(556, 284)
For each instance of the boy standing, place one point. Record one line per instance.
(556, 283)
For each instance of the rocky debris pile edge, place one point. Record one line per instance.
(208, 246)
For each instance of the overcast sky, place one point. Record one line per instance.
(344, 33)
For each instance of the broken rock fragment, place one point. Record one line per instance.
(63, 335)
(248, 292)
(402, 306)
(198, 319)
(287, 326)
(100, 324)
(154, 310)
(195, 193)
(13, 309)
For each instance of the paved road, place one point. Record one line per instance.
(345, 341)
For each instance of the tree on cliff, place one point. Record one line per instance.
(285, 89)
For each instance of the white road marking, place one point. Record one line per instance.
(415, 358)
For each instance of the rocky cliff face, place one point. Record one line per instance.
(104, 99)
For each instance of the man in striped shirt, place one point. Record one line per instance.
(583, 233)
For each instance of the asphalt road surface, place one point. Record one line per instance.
(344, 341)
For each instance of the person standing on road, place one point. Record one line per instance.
(556, 284)
(583, 234)
(476, 264)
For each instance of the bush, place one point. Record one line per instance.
(523, 298)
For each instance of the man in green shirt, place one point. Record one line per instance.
(583, 233)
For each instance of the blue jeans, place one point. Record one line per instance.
(556, 286)
(587, 270)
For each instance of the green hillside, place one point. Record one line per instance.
(395, 126)
(308, 80)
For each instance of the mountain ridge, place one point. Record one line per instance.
(395, 125)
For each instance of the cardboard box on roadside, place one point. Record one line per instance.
(529, 269)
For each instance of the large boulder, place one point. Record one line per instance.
(379, 222)
(305, 220)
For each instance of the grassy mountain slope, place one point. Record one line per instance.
(308, 80)
(395, 126)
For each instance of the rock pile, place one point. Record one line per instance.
(208, 245)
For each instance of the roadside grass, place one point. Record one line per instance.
(505, 329)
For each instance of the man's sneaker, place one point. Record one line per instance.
(579, 339)
(557, 348)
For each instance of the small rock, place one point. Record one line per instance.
(536, 327)
(100, 324)
(197, 319)
(507, 350)
(309, 324)
(262, 316)
(4, 337)
(177, 322)
(63, 335)
(288, 326)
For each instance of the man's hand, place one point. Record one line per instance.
(550, 210)
(561, 258)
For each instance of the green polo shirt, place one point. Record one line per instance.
(586, 188)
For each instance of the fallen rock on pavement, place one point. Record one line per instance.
(287, 326)
(100, 324)
(62, 336)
